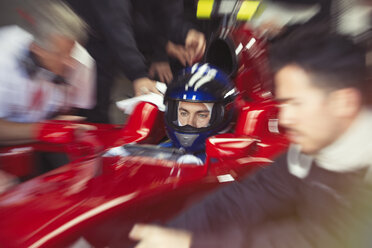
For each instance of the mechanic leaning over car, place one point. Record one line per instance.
(199, 104)
(39, 78)
(120, 28)
(319, 193)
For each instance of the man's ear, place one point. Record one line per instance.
(346, 102)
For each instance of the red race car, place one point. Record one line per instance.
(97, 197)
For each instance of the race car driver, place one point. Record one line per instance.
(199, 104)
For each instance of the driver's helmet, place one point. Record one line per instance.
(210, 94)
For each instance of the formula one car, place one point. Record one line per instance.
(97, 197)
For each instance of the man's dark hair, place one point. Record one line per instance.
(332, 60)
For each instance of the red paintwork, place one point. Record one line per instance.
(99, 198)
(253, 78)
(144, 126)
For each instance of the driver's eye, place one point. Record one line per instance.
(183, 114)
(203, 116)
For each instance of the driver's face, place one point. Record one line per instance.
(193, 114)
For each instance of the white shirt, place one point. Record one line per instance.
(352, 151)
(23, 99)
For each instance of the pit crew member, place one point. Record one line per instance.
(43, 71)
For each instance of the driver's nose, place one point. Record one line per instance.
(191, 121)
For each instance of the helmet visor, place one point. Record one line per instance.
(194, 114)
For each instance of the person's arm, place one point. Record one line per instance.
(226, 214)
(13, 133)
(270, 192)
(114, 18)
(152, 236)
(171, 24)
(159, 68)
(116, 24)
(170, 21)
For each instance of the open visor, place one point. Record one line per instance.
(194, 117)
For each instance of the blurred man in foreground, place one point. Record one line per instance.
(317, 194)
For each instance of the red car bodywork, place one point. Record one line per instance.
(99, 198)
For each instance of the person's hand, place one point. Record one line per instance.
(151, 236)
(144, 86)
(195, 44)
(179, 52)
(163, 70)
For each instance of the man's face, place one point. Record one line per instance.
(306, 110)
(57, 58)
(193, 114)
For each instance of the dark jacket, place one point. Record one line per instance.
(115, 24)
(273, 208)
